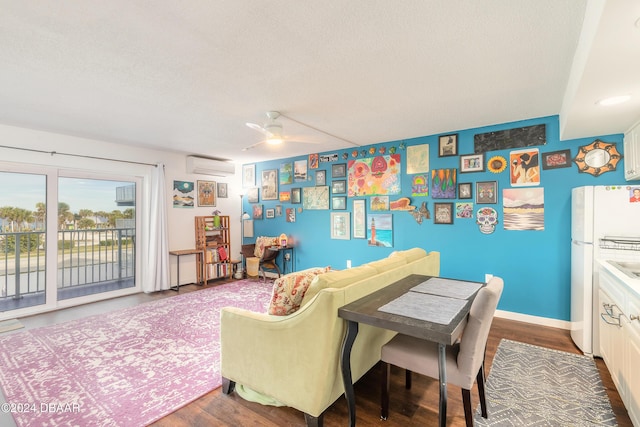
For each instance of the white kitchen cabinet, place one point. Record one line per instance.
(619, 307)
(632, 357)
(632, 153)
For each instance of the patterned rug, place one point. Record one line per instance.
(126, 368)
(535, 386)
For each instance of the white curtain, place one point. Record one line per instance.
(157, 274)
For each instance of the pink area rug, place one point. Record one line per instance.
(125, 368)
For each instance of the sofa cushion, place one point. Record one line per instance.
(337, 279)
(289, 290)
(410, 254)
(386, 264)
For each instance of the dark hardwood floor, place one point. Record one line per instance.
(415, 407)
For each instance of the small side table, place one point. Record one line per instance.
(200, 261)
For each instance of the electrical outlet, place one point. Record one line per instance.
(348, 263)
(487, 277)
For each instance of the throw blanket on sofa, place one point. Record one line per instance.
(262, 243)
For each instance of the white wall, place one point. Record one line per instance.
(181, 223)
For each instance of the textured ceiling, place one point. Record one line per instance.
(187, 76)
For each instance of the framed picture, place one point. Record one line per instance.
(339, 170)
(321, 177)
(339, 186)
(252, 195)
(379, 203)
(556, 159)
(300, 171)
(340, 225)
(270, 213)
(286, 173)
(472, 163)
(448, 145)
(222, 190)
(207, 193)
(359, 219)
(339, 202)
(315, 197)
(278, 210)
(418, 159)
(465, 190)
(487, 192)
(184, 194)
(285, 196)
(296, 195)
(249, 175)
(257, 211)
(269, 184)
(443, 213)
(291, 214)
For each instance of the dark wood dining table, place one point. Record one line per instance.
(367, 311)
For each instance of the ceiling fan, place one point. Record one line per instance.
(272, 129)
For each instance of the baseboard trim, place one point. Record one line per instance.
(536, 320)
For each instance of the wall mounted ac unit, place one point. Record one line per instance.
(205, 166)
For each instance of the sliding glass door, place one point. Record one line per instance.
(65, 240)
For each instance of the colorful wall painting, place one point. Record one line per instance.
(183, 194)
(523, 208)
(525, 167)
(286, 173)
(420, 186)
(443, 183)
(418, 158)
(375, 176)
(379, 203)
(464, 210)
(300, 170)
(380, 230)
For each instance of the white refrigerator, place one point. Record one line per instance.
(603, 218)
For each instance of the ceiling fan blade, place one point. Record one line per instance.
(253, 146)
(258, 128)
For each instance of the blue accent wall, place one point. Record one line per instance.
(534, 264)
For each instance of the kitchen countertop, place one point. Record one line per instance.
(632, 283)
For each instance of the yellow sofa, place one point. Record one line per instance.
(295, 359)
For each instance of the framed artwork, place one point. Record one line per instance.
(525, 167)
(183, 194)
(465, 190)
(291, 214)
(313, 161)
(296, 195)
(464, 210)
(443, 183)
(339, 202)
(359, 219)
(420, 185)
(285, 196)
(443, 213)
(207, 193)
(257, 211)
(270, 213)
(300, 170)
(339, 170)
(487, 192)
(223, 192)
(340, 225)
(269, 184)
(417, 159)
(448, 145)
(321, 177)
(278, 210)
(523, 208)
(249, 175)
(286, 173)
(597, 158)
(315, 197)
(472, 163)
(339, 186)
(379, 203)
(556, 159)
(380, 230)
(252, 195)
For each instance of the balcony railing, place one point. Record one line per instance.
(88, 261)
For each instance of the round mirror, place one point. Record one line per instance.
(597, 158)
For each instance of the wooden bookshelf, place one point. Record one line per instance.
(210, 239)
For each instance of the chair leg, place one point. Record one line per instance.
(466, 402)
(407, 379)
(384, 396)
(228, 386)
(481, 393)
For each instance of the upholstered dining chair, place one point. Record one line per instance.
(465, 359)
(267, 260)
